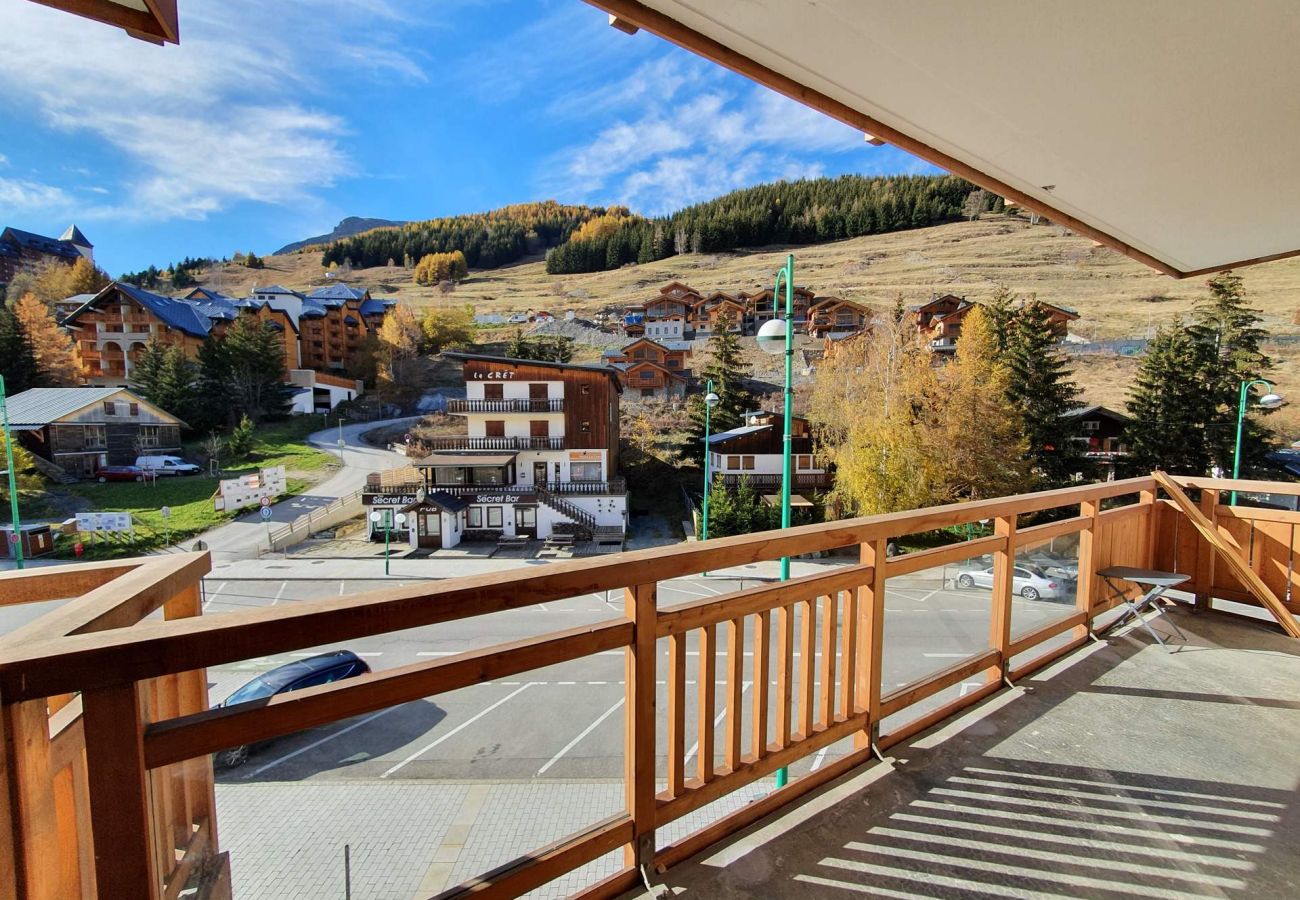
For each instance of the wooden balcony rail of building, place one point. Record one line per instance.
(517, 405)
(133, 815)
(761, 481)
(464, 442)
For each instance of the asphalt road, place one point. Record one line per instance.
(246, 534)
(564, 721)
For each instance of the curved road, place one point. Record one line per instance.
(244, 535)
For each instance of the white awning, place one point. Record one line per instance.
(1168, 129)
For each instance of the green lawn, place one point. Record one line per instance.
(190, 498)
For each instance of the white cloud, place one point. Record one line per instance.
(16, 193)
(717, 137)
(4, 160)
(232, 114)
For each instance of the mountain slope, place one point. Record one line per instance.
(348, 227)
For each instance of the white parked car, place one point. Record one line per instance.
(1029, 582)
(518, 319)
(166, 465)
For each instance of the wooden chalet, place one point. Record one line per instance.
(754, 452)
(1059, 317)
(831, 315)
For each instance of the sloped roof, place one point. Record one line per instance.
(723, 436)
(337, 291)
(274, 289)
(375, 306)
(73, 235)
(41, 406)
(38, 243)
(175, 313)
(1096, 409)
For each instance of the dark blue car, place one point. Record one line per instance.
(302, 673)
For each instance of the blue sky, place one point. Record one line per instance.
(272, 121)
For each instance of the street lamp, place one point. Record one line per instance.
(13, 480)
(341, 442)
(710, 400)
(383, 515)
(775, 337)
(1270, 400)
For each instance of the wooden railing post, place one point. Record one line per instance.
(1004, 560)
(639, 717)
(1147, 500)
(871, 640)
(119, 796)
(1206, 557)
(1087, 588)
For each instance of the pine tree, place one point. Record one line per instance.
(1040, 389)
(17, 360)
(246, 367)
(1228, 334)
(1169, 406)
(52, 348)
(728, 370)
(1002, 314)
(167, 379)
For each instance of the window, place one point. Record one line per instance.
(586, 389)
(526, 517)
(674, 362)
(584, 471)
(805, 462)
(447, 475)
(494, 392)
(747, 463)
(487, 475)
(110, 408)
(96, 436)
(494, 516)
(149, 436)
(475, 517)
(539, 428)
(733, 462)
(1091, 425)
(647, 392)
(647, 374)
(495, 428)
(135, 409)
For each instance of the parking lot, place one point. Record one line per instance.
(564, 721)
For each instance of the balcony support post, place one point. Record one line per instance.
(639, 605)
(119, 796)
(1206, 557)
(871, 641)
(1087, 587)
(1004, 560)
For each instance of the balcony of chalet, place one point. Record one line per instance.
(1062, 751)
(519, 405)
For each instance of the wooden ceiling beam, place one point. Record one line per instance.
(158, 24)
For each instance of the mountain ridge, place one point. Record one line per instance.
(347, 227)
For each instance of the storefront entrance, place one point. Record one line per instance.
(526, 520)
(430, 534)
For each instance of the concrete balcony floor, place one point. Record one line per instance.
(1120, 771)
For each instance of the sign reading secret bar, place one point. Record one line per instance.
(503, 498)
(386, 500)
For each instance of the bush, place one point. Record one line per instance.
(240, 442)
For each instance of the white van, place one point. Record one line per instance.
(166, 465)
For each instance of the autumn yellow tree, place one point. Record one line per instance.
(55, 352)
(448, 327)
(435, 268)
(875, 406)
(982, 431)
(399, 349)
(57, 281)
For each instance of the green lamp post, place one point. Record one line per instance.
(388, 517)
(13, 476)
(1270, 400)
(777, 336)
(710, 400)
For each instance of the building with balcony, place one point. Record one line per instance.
(21, 250)
(754, 452)
(539, 457)
(652, 370)
(831, 317)
(81, 429)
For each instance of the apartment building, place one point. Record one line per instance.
(539, 458)
(681, 312)
(322, 331)
(21, 250)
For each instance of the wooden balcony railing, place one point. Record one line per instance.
(140, 813)
(464, 442)
(764, 482)
(505, 406)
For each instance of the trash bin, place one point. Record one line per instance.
(37, 540)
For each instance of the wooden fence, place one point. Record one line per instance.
(834, 690)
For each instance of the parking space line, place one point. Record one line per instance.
(586, 731)
(280, 592)
(821, 755)
(213, 596)
(463, 725)
(341, 584)
(678, 590)
(314, 744)
(716, 722)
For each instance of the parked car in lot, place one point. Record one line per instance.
(119, 473)
(1029, 582)
(1054, 566)
(166, 465)
(301, 673)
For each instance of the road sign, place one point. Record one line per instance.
(266, 501)
(166, 512)
(13, 538)
(266, 512)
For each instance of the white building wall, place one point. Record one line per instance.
(514, 390)
(516, 424)
(607, 510)
(764, 464)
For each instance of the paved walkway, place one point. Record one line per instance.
(245, 535)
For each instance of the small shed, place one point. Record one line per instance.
(36, 539)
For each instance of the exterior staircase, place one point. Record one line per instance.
(52, 471)
(586, 521)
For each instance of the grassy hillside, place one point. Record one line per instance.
(1115, 296)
